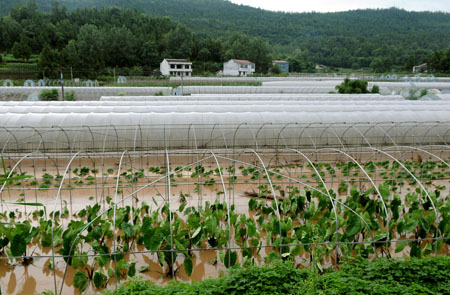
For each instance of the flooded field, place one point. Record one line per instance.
(238, 199)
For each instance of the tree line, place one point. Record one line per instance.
(92, 39)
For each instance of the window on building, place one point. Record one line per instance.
(187, 67)
(172, 66)
(179, 66)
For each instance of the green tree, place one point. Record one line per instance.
(21, 50)
(120, 47)
(48, 62)
(275, 69)
(70, 52)
(11, 32)
(298, 62)
(355, 86)
(149, 54)
(440, 61)
(381, 65)
(90, 47)
(259, 54)
(237, 47)
(410, 63)
(180, 43)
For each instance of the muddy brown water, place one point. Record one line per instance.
(37, 277)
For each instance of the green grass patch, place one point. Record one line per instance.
(383, 276)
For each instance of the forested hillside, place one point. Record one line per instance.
(381, 39)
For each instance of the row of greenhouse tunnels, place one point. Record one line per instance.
(187, 186)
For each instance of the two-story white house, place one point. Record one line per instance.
(238, 67)
(176, 67)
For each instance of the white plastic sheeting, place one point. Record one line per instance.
(381, 84)
(267, 107)
(304, 83)
(186, 90)
(193, 102)
(33, 106)
(177, 130)
(81, 93)
(253, 79)
(257, 97)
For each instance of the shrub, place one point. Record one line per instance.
(375, 89)
(355, 86)
(70, 96)
(383, 276)
(49, 94)
(414, 94)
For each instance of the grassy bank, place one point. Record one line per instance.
(383, 276)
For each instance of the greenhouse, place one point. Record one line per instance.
(256, 97)
(81, 93)
(189, 90)
(185, 187)
(381, 84)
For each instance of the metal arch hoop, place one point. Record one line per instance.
(115, 205)
(11, 135)
(272, 189)
(307, 185)
(373, 185)
(53, 217)
(420, 184)
(227, 197)
(328, 195)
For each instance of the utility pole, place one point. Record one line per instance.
(62, 83)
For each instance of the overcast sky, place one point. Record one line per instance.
(342, 5)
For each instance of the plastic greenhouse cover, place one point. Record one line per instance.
(231, 108)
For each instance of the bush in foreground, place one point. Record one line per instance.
(48, 95)
(383, 276)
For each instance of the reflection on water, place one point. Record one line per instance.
(37, 277)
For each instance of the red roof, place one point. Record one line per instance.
(242, 61)
(280, 61)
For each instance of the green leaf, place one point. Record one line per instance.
(110, 272)
(230, 258)
(384, 191)
(354, 191)
(252, 204)
(100, 279)
(18, 245)
(188, 266)
(132, 269)
(127, 229)
(152, 240)
(79, 261)
(251, 229)
(197, 231)
(411, 226)
(400, 246)
(179, 245)
(80, 281)
(182, 206)
(210, 225)
(353, 225)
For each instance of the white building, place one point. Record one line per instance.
(176, 67)
(423, 68)
(238, 67)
